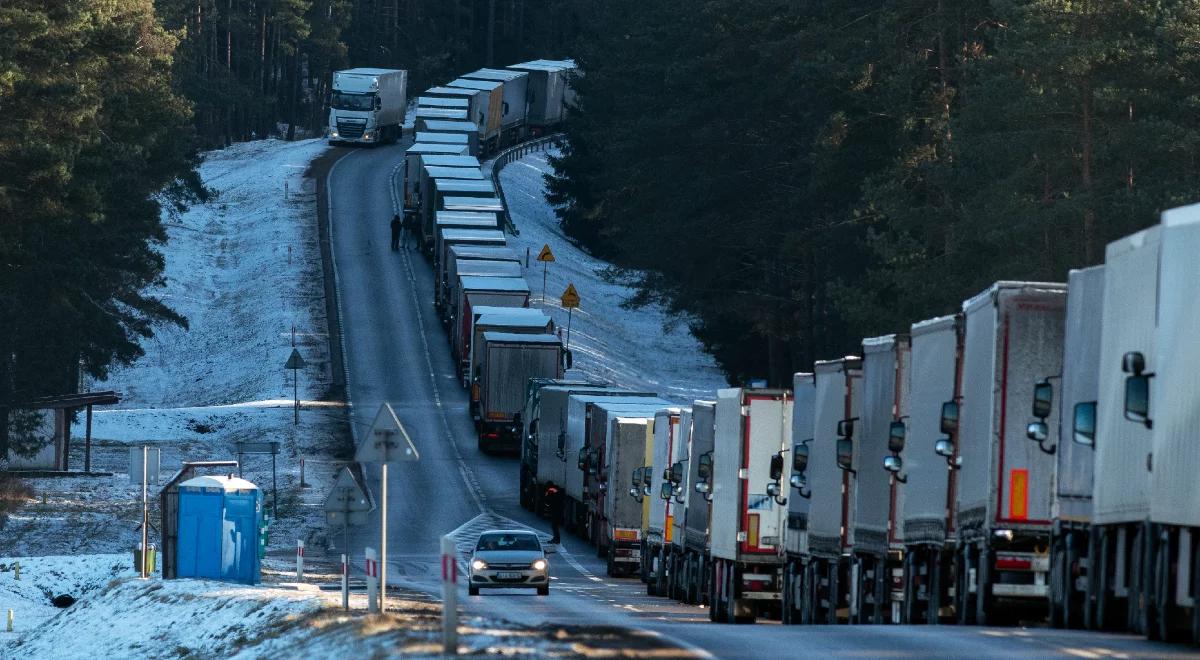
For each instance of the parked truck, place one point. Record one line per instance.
(472, 291)
(528, 424)
(796, 602)
(1168, 404)
(366, 106)
(752, 427)
(681, 485)
(595, 463)
(877, 585)
(696, 570)
(621, 524)
(519, 320)
(671, 429)
(930, 468)
(509, 360)
(836, 408)
(1014, 335)
(546, 94)
(489, 110)
(416, 156)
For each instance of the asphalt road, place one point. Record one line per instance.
(396, 352)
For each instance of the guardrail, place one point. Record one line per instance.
(517, 152)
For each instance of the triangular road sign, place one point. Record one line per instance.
(387, 441)
(570, 297)
(545, 254)
(294, 361)
(347, 495)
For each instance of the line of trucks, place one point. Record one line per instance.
(1033, 456)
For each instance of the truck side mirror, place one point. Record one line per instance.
(704, 467)
(776, 467)
(944, 448)
(845, 454)
(378, 103)
(568, 360)
(582, 463)
(1037, 431)
(897, 433)
(637, 477)
(845, 428)
(1083, 427)
(1137, 399)
(892, 463)
(665, 490)
(950, 417)
(1043, 399)
(1133, 362)
(676, 474)
(647, 477)
(800, 457)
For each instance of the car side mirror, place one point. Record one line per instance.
(1043, 399)
(845, 454)
(776, 467)
(1083, 426)
(1137, 399)
(897, 433)
(950, 417)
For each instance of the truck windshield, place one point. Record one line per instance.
(344, 101)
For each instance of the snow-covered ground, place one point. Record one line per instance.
(245, 270)
(640, 348)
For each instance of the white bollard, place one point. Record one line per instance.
(299, 560)
(345, 584)
(372, 581)
(10, 620)
(449, 597)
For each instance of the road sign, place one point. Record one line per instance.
(346, 500)
(570, 297)
(387, 441)
(256, 447)
(294, 361)
(153, 467)
(545, 254)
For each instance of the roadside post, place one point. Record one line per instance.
(386, 442)
(299, 560)
(295, 363)
(345, 583)
(449, 596)
(570, 300)
(372, 581)
(272, 448)
(545, 256)
(145, 513)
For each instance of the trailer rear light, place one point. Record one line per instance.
(757, 582)
(490, 436)
(1013, 563)
(627, 534)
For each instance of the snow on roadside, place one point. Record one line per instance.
(635, 348)
(43, 578)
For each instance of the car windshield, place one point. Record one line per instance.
(508, 542)
(344, 101)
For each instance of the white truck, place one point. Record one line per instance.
(877, 470)
(926, 514)
(753, 427)
(836, 407)
(795, 539)
(546, 94)
(1074, 438)
(1014, 339)
(621, 524)
(514, 100)
(508, 361)
(671, 429)
(366, 106)
(695, 571)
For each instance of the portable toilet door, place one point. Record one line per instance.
(200, 522)
(239, 552)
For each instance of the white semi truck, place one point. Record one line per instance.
(366, 106)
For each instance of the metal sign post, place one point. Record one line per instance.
(387, 441)
(272, 448)
(346, 505)
(295, 363)
(545, 256)
(449, 597)
(570, 300)
(145, 514)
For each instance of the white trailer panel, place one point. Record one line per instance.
(514, 97)
(578, 410)
(669, 438)
(805, 392)
(699, 509)
(546, 92)
(510, 360)
(925, 507)
(1175, 390)
(488, 112)
(625, 451)
(1014, 334)
(519, 320)
(1080, 385)
(679, 513)
(838, 397)
(885, 398)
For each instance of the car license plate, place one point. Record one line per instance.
(509, 576)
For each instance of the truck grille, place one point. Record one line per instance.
(349, 129)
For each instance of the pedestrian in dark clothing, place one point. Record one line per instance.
(552, 498)
(396, 227)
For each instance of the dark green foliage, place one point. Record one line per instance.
(92, 137)
(798, 175)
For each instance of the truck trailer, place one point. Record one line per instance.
(621, 524)
(366, 106)
(1014, 338)
(795, 539)
(509, 360)
(671, 429)
(746, 547)
(694, 575)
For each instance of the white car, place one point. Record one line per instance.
(509, 559)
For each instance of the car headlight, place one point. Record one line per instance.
(479, 564)
(539, 564)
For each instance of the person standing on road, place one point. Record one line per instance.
(553, 499)
(396, 226)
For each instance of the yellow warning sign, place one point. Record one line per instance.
(545, 254)
(570, 297)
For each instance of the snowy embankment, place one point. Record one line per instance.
(245, 270)
(641, 348)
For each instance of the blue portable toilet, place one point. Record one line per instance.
(219, 519)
